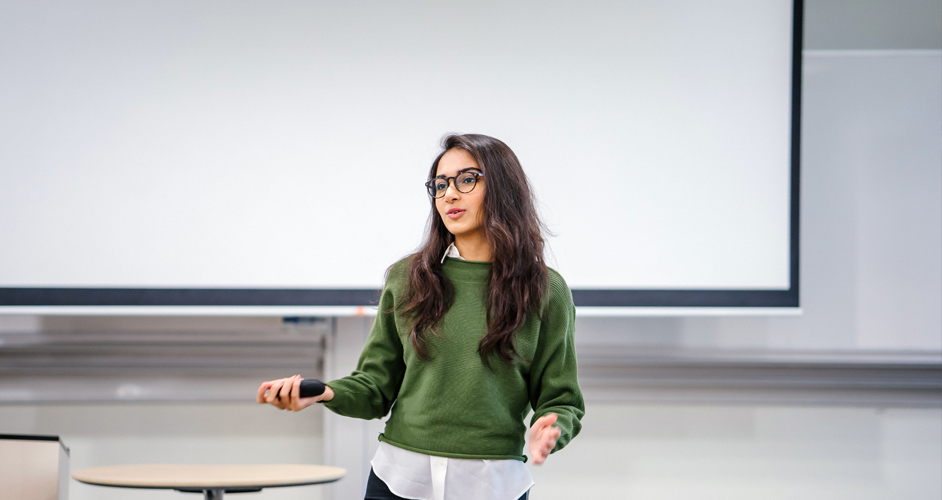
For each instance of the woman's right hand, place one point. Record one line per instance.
(283, 394)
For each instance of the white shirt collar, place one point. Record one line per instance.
(451, 251)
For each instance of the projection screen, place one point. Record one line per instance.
(178, 153)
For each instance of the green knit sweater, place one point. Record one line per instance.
(453, 405)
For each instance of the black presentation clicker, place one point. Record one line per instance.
(311, 388)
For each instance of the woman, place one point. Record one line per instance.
(473, 331)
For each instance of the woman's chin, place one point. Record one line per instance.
(462, 229)
(458, 231)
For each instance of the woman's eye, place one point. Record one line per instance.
(468, 180)
(441, 186)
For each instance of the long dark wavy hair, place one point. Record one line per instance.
(517, 278)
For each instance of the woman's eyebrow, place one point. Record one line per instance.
(463, 170)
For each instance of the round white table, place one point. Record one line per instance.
(211, 480)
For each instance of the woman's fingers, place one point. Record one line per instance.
(543, 423)
(548, 445)
(543, 449)
(278, 395)
(262, 389)
(273, 398)
(294, 394)
(543, 437)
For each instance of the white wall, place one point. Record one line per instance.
(721, 452)
(873, 24)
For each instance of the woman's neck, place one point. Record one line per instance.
(473, 247)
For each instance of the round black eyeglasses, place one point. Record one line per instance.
(464, 183)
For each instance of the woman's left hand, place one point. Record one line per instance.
(543, 438)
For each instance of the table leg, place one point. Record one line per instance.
(216, 493)
(213, 494)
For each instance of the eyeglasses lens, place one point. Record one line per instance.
(441, 185)
(464, 183)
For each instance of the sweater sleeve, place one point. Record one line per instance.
(553, 384)
(370, 391)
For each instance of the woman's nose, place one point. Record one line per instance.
(452, 193)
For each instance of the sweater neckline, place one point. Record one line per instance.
(466, 270)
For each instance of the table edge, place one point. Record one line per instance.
(211, 487)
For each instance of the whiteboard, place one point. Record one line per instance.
(243, 146)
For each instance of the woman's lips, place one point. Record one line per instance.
(455, 213)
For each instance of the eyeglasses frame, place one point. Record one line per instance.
(453, 180)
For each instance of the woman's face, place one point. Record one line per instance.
(461, 212)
